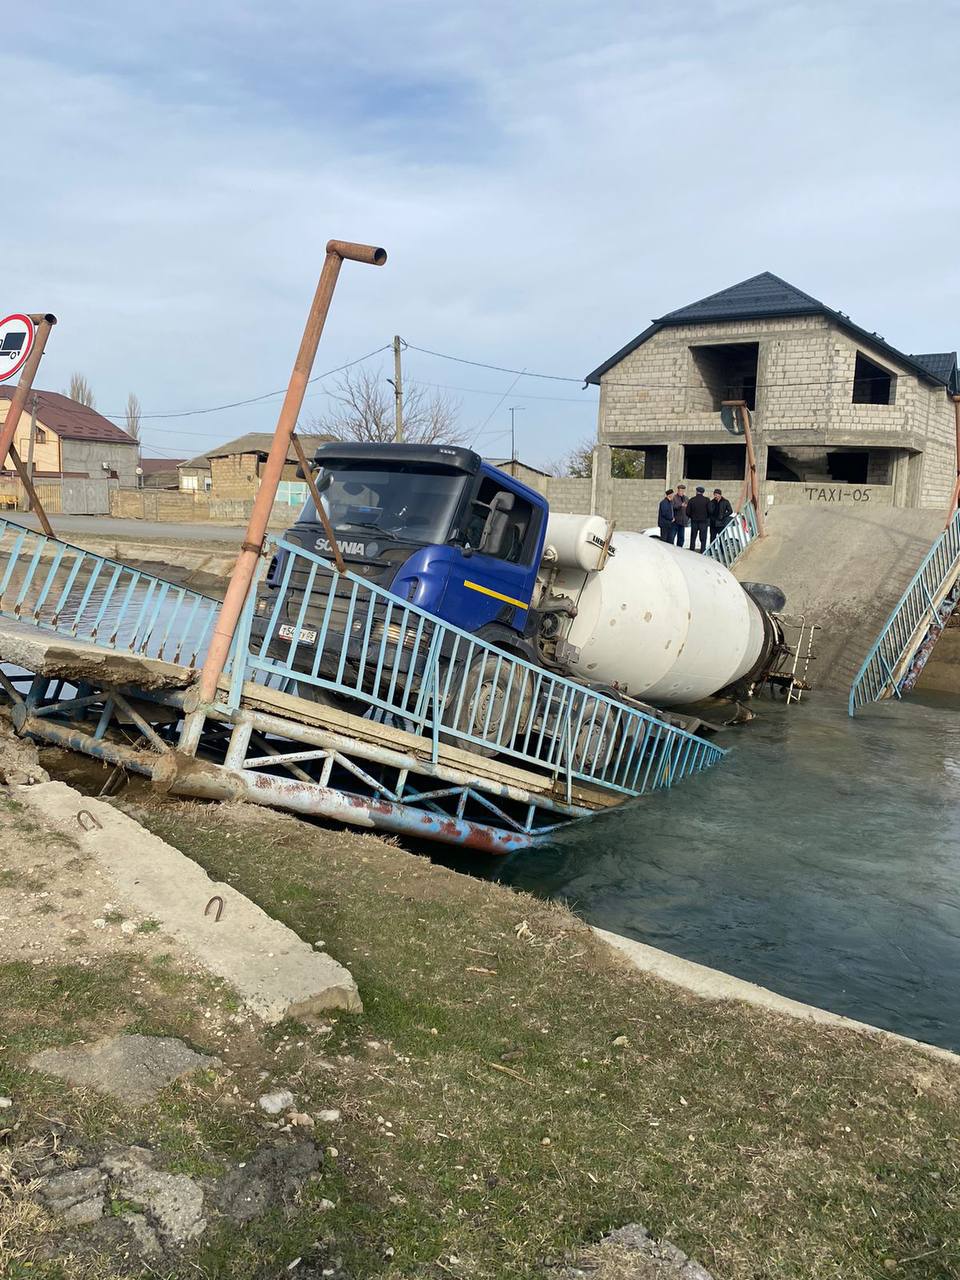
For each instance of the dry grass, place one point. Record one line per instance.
(511, 1092)
(538, 1092)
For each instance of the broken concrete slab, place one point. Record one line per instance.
(132, 1068)
(275, 972)
(172, 1201)
(64, 1193)
(45, 653)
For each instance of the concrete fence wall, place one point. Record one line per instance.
(159, 504)
(14, 498)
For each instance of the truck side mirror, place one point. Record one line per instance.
(497, 524)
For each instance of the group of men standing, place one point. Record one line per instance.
(677, 512)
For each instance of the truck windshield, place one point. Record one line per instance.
(413, 503)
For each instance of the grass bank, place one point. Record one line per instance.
(512, 1089)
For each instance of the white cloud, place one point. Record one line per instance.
(545, 178)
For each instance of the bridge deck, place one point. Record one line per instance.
(65, 658)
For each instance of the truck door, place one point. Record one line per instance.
(494, 568)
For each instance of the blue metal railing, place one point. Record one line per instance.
(337, 634)
(730, 545)
(356, 641)
(62, 588)
(885, 666)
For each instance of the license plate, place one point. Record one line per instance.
(288, 631)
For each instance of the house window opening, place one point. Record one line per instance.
(781, 468)
(849, 466)
(714, 461)
(871, 383)
(728, 372)
(40, 436)
(651, 463)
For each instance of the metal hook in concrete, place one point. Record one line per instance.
(94, 821)
(219, 901)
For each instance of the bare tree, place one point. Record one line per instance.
(81, 391)
(625, 464)
(132, 423)
(363, 410)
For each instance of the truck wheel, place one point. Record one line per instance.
(482, 684)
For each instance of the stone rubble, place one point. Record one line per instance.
(631, 1253)
(132, 1068)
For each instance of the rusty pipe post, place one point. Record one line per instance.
(955, 496)
(252, 546)
(751, 483)
(18, 401)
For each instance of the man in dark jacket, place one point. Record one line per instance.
(665, 517)
(721, 513)
(680, 517)
(698, 509)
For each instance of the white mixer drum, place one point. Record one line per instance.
(575, 542)
(664, 623)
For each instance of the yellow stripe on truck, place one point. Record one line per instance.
(475, 586)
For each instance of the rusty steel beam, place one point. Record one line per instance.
(318, 503)
(18, 402)
(35, 503)
(251, 548)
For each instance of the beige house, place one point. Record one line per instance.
(839, 415)
(232, 471)
(72, 441)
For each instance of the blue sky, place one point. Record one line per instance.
(545, 178)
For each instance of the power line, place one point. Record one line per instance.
(267, 395)
(479, 430)
(644, 386)
(479, 364)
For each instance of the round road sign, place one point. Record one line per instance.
(16, 338)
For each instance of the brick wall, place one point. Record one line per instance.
(147, 504)
(659, 394)
(234, 477)
(568, 494)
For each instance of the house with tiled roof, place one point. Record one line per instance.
(71, 441)
(839, 413)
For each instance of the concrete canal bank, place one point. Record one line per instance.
(511, 1091)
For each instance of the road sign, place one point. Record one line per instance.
(17, 334)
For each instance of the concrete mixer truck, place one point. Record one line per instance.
(444, 530)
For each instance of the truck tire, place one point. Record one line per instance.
(481, 682)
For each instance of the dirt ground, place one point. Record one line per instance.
(55, 904)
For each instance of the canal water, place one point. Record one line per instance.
(821, 858)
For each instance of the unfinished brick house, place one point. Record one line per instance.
(839, 415)
(232, 471)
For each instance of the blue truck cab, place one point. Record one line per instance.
(436, 526)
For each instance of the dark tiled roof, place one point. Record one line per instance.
(73, 421)
(765, 296)
(255, 442)
(762, 295)
(943, 366)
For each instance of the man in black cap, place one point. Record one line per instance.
(698, 509)
(721, 513)
(665, 517)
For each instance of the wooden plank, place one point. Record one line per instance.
(336, 720)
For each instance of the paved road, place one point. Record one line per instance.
(140, 530)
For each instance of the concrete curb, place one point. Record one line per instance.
(712, 984)
(275, 973)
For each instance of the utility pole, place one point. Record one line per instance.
(515, 408)
(397, 389)
(30, 443)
